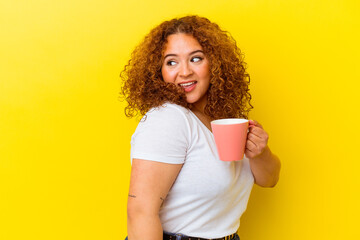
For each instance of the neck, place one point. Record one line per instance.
(199, 106)
(199, 110)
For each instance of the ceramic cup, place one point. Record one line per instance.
(230, 137)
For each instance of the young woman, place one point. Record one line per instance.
(186, 73)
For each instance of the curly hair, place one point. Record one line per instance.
(228, 94)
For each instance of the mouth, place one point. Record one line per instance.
(188, 86)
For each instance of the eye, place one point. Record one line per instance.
(196, 59)
(170, 63)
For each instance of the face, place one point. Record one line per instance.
(186, 65)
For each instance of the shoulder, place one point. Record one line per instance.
(168, 109)
(167, 114)
(162, 135)
(168, 118)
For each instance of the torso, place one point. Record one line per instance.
(206, 191)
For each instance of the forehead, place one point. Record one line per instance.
(181, 43)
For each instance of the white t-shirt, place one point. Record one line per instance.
(209, 196)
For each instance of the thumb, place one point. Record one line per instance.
(252, 123)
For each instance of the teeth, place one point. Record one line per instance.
(186, 84)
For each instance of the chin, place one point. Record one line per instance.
(191, 100)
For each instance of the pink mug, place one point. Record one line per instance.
(230, 137)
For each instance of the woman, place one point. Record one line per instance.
(186, 73)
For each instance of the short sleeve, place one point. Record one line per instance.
(162, 136)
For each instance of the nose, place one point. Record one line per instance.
(185, 70)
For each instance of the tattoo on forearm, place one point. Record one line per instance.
(133, 196)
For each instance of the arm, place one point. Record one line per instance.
(150, 182)
(264, 165)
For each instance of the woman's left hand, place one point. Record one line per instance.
(264, 165)
(257, 140)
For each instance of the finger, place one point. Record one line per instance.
(250, 145)
(254, 138)
(259, 142)
(258, 132)
(250, 151)
(254, 123)
(251, 123)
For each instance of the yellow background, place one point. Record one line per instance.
(64, 140)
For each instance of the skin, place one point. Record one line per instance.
(149, 184)
(151, 181)
(264, 165)
(185, 61)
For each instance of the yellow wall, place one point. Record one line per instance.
(64, 141)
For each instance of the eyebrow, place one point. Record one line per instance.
(172, 54)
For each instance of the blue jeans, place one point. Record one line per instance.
(178, 236)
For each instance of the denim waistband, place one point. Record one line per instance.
(179, 236)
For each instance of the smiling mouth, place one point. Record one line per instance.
(188, 84)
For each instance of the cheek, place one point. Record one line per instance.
(168, 76)
(205, 72)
